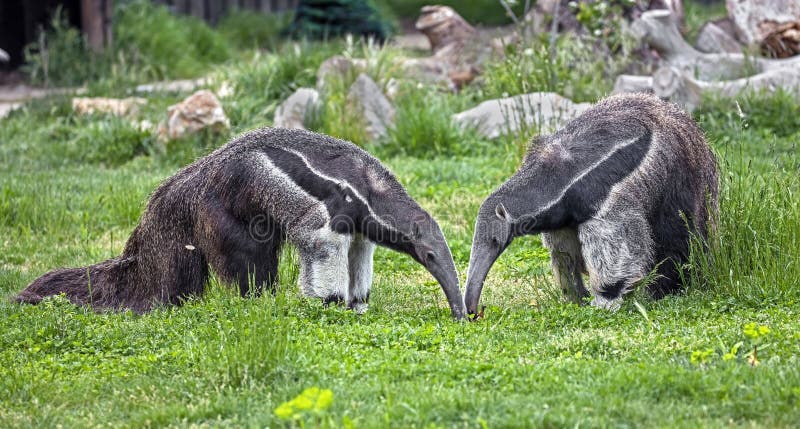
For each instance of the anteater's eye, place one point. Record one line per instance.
(348, 199)
(430, 256)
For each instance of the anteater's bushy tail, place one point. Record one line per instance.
(99, 286)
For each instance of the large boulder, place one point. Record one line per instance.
(201, 110)
(713, 38)
(366, 98)
(544, 110)
(458, 50)
(444, 28)
(295, 110)
(755, 19)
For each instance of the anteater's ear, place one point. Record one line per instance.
(415, 231)
(502, 213)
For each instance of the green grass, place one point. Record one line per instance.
(535, 360)
(149, 43)
(529, 67)
(696, 14)
(72, 189)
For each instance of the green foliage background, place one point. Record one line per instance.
(72, 188)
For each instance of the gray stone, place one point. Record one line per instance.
(377, 111)
(199, 111)
(713, 39)
(295, 110)
(544, 110)
(658, 29)
(753, 19)
(680, 87)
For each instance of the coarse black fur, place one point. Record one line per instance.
(226, 213)
(616, 192)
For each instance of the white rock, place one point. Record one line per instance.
(198, 111)
(114, 106)
(184, 85)
(6, 108)
(545, 110)
(294, 111)
(367, 98)
(631, 83)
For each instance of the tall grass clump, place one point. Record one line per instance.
(60, 56)
(754, 252)
(246, 343)
(424, 127)
(65, 139)
(266, 79)
(337, 115)
(149, 43)
(164, 45)
(574, 68)
(241, 342)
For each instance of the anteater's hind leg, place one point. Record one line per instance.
(360, 269)
(617, 251)
(254, 266)
(567, 262)
(244, 252)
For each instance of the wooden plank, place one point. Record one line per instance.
(96, 23)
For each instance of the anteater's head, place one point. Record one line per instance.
(494, 230)
(396, 221)
(424, 241)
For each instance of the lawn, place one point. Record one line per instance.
(724, 353)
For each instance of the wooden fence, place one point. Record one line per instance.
(212, 10)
